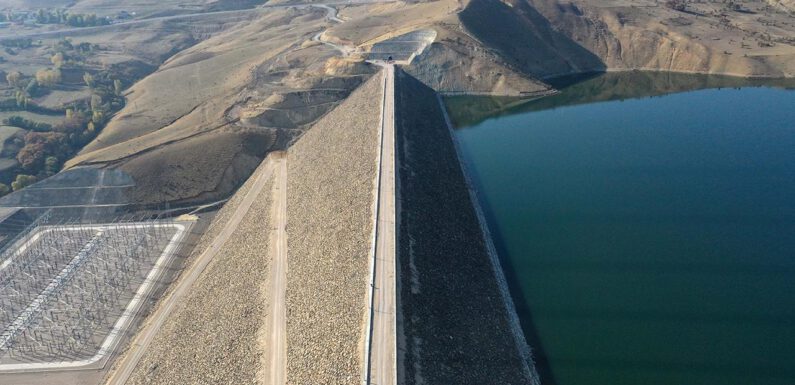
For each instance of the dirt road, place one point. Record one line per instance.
(276, 350)
(383, 355)
(87, 30)
(138, 346)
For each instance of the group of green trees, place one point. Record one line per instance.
(19, 183)
(23, 42)
(60, 16)
(27, 87)
(18, 121)
(48, 77)
(65, 55)
(45, 147)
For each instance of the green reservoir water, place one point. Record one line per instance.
(647, 240)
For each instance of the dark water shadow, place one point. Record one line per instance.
(466, 111)
(540, 356)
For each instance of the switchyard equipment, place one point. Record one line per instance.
(68, 290)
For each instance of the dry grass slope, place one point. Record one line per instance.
(247, 89)
(331, 173)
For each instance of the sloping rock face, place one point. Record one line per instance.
(549, 38)
(701, 38)
(330, 189)
(457, 328)
(461, 66)
(526, 38)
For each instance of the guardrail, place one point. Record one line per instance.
(369, 332)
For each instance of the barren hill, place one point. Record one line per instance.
(213, 96)
(267, 78)
(751, 39)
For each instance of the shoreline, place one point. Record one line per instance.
(521, 342)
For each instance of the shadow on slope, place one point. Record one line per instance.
(457, 327)
(526, 39)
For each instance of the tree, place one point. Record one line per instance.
(18, 121)
(96, 102)
(48, 78)
(51, 165)
(74, 123)
(63, 45)
(33, 86)
(89, 79)
(23, 181)
(58, 59)
(13, 78)
(39, 146)
(41, 17)
(22, 100)
(98, 116)
(84, 47)
(4, 189)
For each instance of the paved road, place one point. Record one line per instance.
(331, 15)
(383, 355)
(138, 346)
(276, 350)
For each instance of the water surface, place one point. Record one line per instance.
(649, 236)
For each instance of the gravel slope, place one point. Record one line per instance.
(331, 173)
(212, 337)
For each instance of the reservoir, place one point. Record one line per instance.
(646, 223)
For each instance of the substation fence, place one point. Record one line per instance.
(63, 285)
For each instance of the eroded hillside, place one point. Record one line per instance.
(236, 96)
(747, 38)
(255, 86)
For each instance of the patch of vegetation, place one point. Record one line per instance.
(18, 121)
(59, 16)
(46, 146)
(17, 43)
(21, 182)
